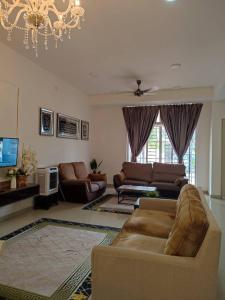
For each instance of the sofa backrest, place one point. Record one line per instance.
(80, 170)
(137, 171)
(66, 171)
(167, 172)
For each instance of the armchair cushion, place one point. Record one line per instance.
(94, 187)
(101, 184)
(150, 222)
(66, 171)
(80, 170)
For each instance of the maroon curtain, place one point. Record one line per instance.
(180, 122)
(139, 122)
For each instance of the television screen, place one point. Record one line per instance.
(8, 152)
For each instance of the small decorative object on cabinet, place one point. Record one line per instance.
(85, 130)
(12, 173)
(46, 122)
(28, 166)
(68, 127)
(95, 166)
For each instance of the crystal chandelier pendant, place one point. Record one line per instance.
(40, 19)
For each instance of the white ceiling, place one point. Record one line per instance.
(124, 40)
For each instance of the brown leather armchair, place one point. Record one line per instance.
(79, 186)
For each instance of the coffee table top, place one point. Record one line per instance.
(136, 188)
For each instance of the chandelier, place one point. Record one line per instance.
(40, 19)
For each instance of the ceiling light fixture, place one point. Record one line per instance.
(40, 18)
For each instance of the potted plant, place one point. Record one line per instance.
(95, 166)
(12, 174)
(27, 167)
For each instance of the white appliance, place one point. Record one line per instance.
(48, 179)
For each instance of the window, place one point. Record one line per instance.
(159, 149)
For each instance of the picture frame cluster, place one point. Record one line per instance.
(66, 126)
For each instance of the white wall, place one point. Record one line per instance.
(39, 88)
(110, 141)
(218, 113)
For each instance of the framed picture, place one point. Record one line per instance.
(68, 127)
(46, 122)
(85, 130)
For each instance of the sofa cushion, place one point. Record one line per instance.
(94, 187)
(138, 171)
(139, 242)
(101, 184)
(80, 170)
(189, 229)
(167, 172)
(188, 191)
(165, 186)
(150, 222)
(135, 182)
(66, 171)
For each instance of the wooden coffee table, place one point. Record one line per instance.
(135, 191)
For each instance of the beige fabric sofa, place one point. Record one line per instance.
(167, 178)
(167, 250)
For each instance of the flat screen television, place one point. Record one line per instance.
(8, 152)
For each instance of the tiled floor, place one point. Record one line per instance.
(73, 212)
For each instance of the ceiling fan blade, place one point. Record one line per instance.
(152, 90)
(122, 93)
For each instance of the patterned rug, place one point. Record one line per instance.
(109, 203)
(50, 260)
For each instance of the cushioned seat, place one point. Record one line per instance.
(165, 186)
(94, 187)
(150, 222)
(101, 184)
(136, 182)
(139, 242)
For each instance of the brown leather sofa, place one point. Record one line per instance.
(167, 178)
(79, 186)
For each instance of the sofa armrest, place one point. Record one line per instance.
(168, 205)
(181, 181)
(131, 274)
(118, 179)
(97, 177)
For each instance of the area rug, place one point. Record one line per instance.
(109, 203)
(50, 260)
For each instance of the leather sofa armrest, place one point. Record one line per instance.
(168, 205)
(181, 181)
(97, 177)
(77, 182)
(118, 179)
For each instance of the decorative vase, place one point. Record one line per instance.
(13, 182)
(21, 180)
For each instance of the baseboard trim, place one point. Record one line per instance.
(15, 214)
(217, 197)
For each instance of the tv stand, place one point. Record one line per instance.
(9, 196)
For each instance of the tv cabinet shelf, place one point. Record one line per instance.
(9, 196)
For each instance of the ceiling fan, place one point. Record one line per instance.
(139, 92)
